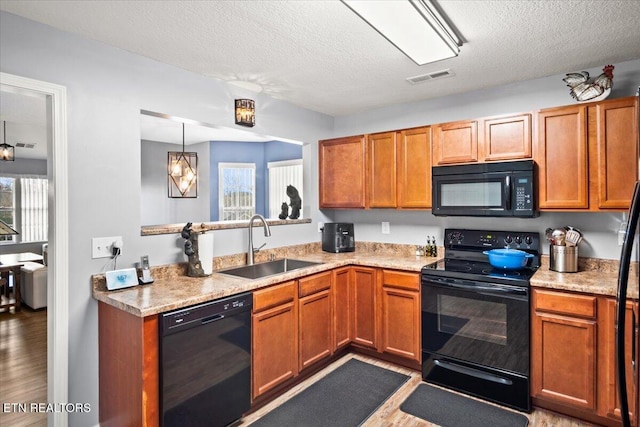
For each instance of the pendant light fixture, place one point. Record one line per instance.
(7, 152)
(182, 173)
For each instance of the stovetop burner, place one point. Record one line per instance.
(464, 258)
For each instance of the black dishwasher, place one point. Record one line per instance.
(205, 363)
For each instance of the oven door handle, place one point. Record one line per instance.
(484, 289)
(472, 372)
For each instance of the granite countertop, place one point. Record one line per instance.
(172, 289)
(594, 276)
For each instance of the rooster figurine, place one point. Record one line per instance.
(583, 89)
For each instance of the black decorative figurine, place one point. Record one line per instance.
(194, 268)
(296, 201)
(284, 211)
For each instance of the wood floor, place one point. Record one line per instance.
(389, 414)
(23, 364)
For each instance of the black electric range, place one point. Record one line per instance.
(464, 257)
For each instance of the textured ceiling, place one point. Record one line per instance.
(320, 55)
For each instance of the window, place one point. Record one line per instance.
(34, 209)
(7, 205)
(24, 207)
(237, 195)
(282, 174)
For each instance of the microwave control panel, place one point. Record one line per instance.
(522, 194)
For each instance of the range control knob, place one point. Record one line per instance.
(528, 240)
(518, 239)
(508, 239)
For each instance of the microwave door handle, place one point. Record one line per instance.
(507, 192)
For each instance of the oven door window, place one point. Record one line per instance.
(479, 327)
(475, 319)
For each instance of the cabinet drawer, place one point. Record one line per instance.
(398, 279)
(569, 304)
(312, 284)
(273, 296)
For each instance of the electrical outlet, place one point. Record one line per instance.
(101, 247)
(386, 228)
(320, 227)
(622, 232)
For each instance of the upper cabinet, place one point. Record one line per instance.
(562, 158)
(382, 170)
(455, 142)
(483, 140)
(342, 172)
(414, 168)
(507, 137)
(587, 155)
(613, 134)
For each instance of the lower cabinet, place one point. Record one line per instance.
(342, 307)
(275, 344)
(364, 298)
(315, 325)
(573, 369)
(564, 339)
(400, 319)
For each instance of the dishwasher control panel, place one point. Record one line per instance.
(205, 313)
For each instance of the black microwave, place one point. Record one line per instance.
(499, 189)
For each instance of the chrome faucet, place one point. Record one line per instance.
(267, 232)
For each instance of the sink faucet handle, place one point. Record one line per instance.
(260, 247)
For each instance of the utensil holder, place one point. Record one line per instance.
(563, 259)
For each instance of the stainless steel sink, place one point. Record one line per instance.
(264, 269)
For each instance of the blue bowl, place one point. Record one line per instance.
(508, 259)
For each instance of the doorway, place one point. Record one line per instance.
(58, 266)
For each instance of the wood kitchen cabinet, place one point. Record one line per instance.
(609, 392)
(364, 304)
(562, 158)
(414, 168)
(587, 155)
(342, 172)
(342, 307)
(573, 366)
(400, 314)
(128, 370)
(315, 319)
(382, 170)
(613, 148)
(564, 349)
(506, 138)
(275, 336)
(455, 142)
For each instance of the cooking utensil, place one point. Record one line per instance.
(573, 237)
(559, 235)
(508, 259)
(548, 234)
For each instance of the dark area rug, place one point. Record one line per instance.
(453, 410)
(345, 397)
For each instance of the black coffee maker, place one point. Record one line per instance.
(338, 237)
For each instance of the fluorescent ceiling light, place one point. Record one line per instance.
(413, 26)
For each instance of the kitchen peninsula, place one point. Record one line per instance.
(131, 315)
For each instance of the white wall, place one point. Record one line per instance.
(106, 89)
(600, 229)
(155, 206)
